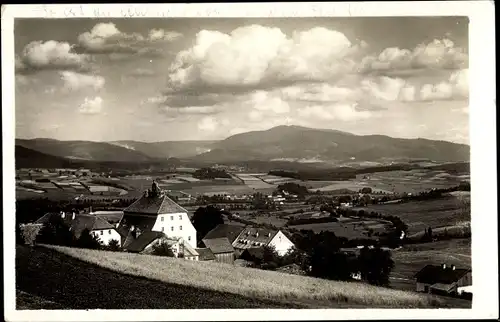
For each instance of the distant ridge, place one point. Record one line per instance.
(284, 142)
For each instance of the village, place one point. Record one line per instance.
(162, 222)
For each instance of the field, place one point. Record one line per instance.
(176, 283)
(420, 215)
(412, 258)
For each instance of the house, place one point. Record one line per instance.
(442, 279)
(77, 223)
(155, 211)
(251, 237)
(205, 255)
(221, 248)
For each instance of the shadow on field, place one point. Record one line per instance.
(52, 277)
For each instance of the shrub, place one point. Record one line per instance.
(162, 250)
(88, 240)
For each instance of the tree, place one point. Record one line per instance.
(375, 265)
(270, 258)
(56, 232)
(205, 219)
(88, 240)
(162, 249)
(113, 245)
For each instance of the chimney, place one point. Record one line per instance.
(268, 234)
(90, 210)
(257, 234)
(117, 224)
(63, 215)
(443, 266)
(453, 267)
(73, 218)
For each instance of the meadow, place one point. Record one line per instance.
(412, 258)
(263, 286)
(420, 215)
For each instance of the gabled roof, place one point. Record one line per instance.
(205, 254)
(154, 202)
(224, 230)
(219, 245)
(79, 223)
(144, 223)
(144, 239)
(252, 237)
(432, 274)
(189, 251)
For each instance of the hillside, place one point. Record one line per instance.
(84, 150)
(167, 149)
(195, 280)
(294, 142)
(26, 158)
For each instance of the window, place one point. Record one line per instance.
(171, 217)
(180, 217)
(172, 228)
(102, 232)
(162, 218)
(189, 237)
(109, 231)
(162, 228)
(180, 227)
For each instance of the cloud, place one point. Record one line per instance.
(341, 112)
(160, 34)
(191, 110)
(437, 54)
(253, 55)
(106, 38)
(39, 55)
(142, 72)
(208, 124)
(75, 81)
(456, 87)
(318, 92)
(263, 101)
(91, 106)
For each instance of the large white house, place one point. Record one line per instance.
(156, 212)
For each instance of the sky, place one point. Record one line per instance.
(173, 79)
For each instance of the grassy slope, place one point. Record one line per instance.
(194, 278)
(48, 279)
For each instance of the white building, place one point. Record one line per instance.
(77, 223)
(251, 237)
(155, 211)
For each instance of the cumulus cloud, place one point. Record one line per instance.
(263, 101)
(106, 38)
(436, 54)
(342, 112)
(76, 81)
(208, 124)
(253, 55)
(50, 54)
(456, 87)
(91, 106)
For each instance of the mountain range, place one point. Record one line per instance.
(285, 143)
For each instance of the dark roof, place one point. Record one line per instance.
(224, 230)
(432, 274)
(219, 245)
(144, 223)
(252, 237)
(79, 223)
(144, 239)
(154, 204)
(205, 254)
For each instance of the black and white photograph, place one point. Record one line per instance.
(289, 163)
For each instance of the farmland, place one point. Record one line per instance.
(419, 215)
(121, 275)
(411, 258)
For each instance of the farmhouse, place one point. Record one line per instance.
(446, 280)
(98, 227)
(156, 212)
(252, 237)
